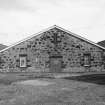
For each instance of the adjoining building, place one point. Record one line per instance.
(54, 50)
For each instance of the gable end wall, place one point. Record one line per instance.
(38, 49)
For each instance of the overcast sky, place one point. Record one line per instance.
(22, 18)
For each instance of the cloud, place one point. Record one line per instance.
(27, 5)
(10, 4)
(21, 18)
(17, 5)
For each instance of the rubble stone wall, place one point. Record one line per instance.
(55, 41)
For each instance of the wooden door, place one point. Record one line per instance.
(56, 64)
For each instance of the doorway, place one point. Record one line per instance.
(56, 64)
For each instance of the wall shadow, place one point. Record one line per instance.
(91, 78)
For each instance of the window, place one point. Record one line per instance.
(87, 59)
(23, 62)
(37, 59)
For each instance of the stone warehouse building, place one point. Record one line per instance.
(53, 50)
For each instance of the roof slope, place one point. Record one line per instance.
(54, 26)
(2, 46)
(101, 43)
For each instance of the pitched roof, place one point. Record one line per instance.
(54, 26)
(101, 43)
(2, 46)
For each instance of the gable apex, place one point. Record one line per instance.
(52, 27)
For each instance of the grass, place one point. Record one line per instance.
(90, 78)
(9, 78)
(76, 90)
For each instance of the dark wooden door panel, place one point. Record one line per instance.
(55, 65)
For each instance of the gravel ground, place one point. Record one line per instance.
(52, 92)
